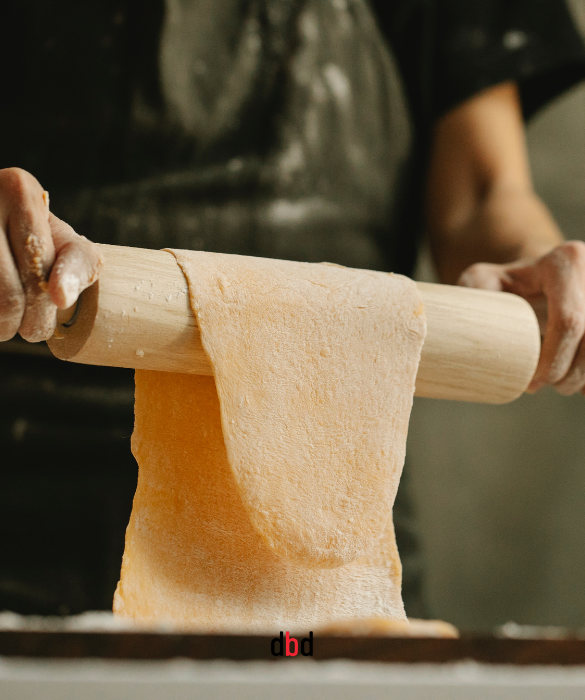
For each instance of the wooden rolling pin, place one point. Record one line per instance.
(480, 346)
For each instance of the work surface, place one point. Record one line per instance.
(158, 646)
(129, 665)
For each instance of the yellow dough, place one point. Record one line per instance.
(264, 498)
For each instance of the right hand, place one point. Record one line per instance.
(44, 264)
(554, 283)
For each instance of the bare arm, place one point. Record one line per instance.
(488, 228)
(481, 205)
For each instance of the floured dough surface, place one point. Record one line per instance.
(264, 496)
(315, 368)
(193, 556)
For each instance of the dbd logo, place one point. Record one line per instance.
(289, 646)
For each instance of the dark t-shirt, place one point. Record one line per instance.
(271, 128)
(279, 128)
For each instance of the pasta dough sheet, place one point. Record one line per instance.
(264, 497)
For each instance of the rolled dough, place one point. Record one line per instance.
(264, 497)
(384, 627)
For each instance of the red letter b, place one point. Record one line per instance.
(290, 641)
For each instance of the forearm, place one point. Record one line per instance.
(481, 205)
(507, 225)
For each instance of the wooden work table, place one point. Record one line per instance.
(157, 646)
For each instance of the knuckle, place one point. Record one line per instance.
(574, 250)
(482, 268)
(566, 389)
(472, 273)
(11, 306)
(572, 383)
(475, 267)
(572, 322)
(18, 184)
(568, 253)
(483, 276)
(62, 228)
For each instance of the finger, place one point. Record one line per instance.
(562, 275)
(33, 250)
(540, 307)
(524, 278)
(484, 276)
(12, 299)
(77, 264)
(574, 380)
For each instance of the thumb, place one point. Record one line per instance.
(522, 277)
(76, 266)
(484, 276)
(525, 278)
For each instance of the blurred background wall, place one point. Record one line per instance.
(500, 490)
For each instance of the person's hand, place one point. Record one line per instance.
(44, 264)
(553, 284)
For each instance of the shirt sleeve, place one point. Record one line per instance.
(448, 50)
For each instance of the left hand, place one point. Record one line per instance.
(554, 283)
